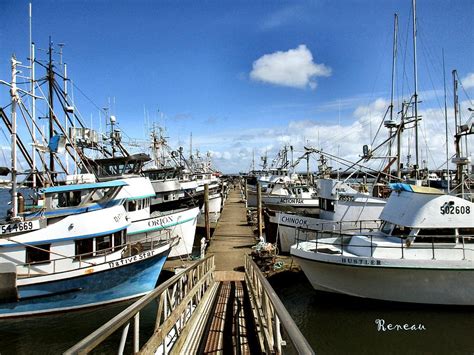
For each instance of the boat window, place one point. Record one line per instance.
(386, 227)
(66, 199)
(305, 189)
(438, 235)
(38, 254)
(326, 205)
(437, 231)
(467, 234)
(85, 247)
(106, 244)
(131, 206)
(103, 244)
(466, 231)
(119, 239)
(103, 194)
(401, 230)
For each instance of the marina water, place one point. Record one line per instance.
(333, 324)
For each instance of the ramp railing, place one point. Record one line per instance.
(177, 299)
(275, 326)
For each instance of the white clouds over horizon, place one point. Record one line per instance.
(468, 81)
(344, 139)
(293, 68)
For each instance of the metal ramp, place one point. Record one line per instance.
(198, 315)
(230, 327)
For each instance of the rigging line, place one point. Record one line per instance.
(437, 123)
(89, 99)
(22, 106)
(463, 89)
(23, 94)
(428, 151)
(63, 102)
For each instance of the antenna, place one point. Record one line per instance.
(415, 95)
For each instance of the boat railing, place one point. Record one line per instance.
(176, 299)
(433, 245)
(357, 226)
(99, 256)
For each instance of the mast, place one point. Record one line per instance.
(456, 130)
(394, 63)
(65, 114)
(415, 95)
(51, 103)
(33, 96)
(15, 99)
(446, 127)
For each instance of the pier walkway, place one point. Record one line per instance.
(232, 240)
(222, 304)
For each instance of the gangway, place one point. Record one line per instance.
(197, 314)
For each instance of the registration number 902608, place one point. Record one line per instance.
(19, 227)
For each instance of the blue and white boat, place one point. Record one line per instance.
(148, 221)
(74, 252)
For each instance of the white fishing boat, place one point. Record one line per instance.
(291, 198)
(146, 219)
(341, 207)
(422, 253)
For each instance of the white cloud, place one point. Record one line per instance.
(283, 16)
(468, 81)
(233, 150)
(293, 68)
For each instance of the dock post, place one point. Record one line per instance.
(245, 192)
(206, 212)
(259, 210)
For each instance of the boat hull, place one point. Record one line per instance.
(364, 278)
(114, 281)
(179, 225)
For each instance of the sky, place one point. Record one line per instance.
(247, 77)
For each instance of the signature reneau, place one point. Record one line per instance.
(383, 326)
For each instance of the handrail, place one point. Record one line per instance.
(174, 294)
(271, 313)
(405, 245)
(156, 242)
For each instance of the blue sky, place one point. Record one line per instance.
(247, 76)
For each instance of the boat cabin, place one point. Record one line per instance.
(423, 214)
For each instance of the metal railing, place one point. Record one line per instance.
(177, 298)
(271, 314)
(461, 247)
(93, 258)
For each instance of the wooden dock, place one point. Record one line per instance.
(233, 238)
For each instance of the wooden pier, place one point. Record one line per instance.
(233, 238)
(221, 304)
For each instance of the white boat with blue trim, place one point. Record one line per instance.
(147, 219)
(79, 256)
(422, 253)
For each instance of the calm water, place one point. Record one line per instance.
(337, 324)
(333, 325)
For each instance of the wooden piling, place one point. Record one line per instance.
(259, 210)
(207, 224)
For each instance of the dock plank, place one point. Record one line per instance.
(232, 239)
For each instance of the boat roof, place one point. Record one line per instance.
(399, 186)
(78, 187)
(421, 207)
